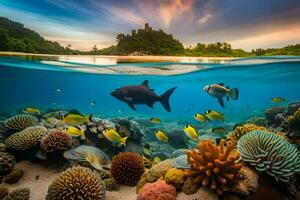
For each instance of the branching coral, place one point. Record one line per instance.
(294, 120)
(157, 190)
(76, 183)
(14, 176)
(127, 168)
(214, 166)
(20, 122)
(239, 131)
(56, 140)
(18, 194)
(88, 154)
(7, 163)
(25, 139)
(111, 184)
(270, 153)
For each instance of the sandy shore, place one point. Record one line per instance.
(38, 187)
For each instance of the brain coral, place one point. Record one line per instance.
(111, 184)
(14, 176)
(56, 140)
(158, 190)
(239, 131)
(270, 153)
(25, 139)
(20, 122)
(77, 183)
(214, 166)
(175, 177)
(7, 163)
(18, 194)
(127, 168)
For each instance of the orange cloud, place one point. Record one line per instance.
(174, 10)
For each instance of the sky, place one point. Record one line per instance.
(246, 24)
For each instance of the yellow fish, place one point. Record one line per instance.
(74, 131)
(214, 115)
(218, 130)
(114, 137)
(155, 120)
(31, 110)
(156, 160)
(161, 136)
(278, 99)
(74, 117)
(191, 132)
(200, 117)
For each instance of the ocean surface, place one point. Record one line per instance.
(85, 83)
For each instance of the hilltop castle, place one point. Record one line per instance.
(147, 28)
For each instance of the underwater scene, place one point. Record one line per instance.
(109, 127)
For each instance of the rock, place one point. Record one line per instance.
(177, 139)
(202, 194)
(248, 184)
(292, 108)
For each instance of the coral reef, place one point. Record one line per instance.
(158, 190)
(214, 166)
(270, 113)
(175, 177)
(3, 192)
(18, 194)
(181, 162)
(190, 186)
(14, 176)
(127, 168)
(20, 122)
(111, 184)
(56, 140)
(104, 174)
(270, 153)
(7, 163)
(77, 183)
(158, 171)
(2, 147)
(294, 121)
(88, 155)
(26, 138)
(239, 131)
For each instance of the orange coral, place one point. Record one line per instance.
(214, 166)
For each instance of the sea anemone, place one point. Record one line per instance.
(88, 154)
(20, 122)
(14, 176)
(214, 166)
(270, 153)
(56, 140)
(18, 194)
(77, 183)
(127, 168)
(111, 184)
(7, 163)
(239, 131)
(25, 139)
(157, 190)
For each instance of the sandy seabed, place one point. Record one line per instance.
(38, 187)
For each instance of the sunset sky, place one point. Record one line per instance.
(246, 24)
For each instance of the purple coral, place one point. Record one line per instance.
(158, 190)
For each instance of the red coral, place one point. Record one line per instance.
(158, 190)
(56, 140)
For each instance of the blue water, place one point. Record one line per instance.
(34, 83)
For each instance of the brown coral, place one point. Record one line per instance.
(56, 140)
(18, 194)
(25, 139)
(20, 122)
(3, 192)
(111, 184)
(127, 168)
(239, 131)
(214, 166)
(2, 147)
(189, 186)
(14, 176)
(7, 163)
(76, 183)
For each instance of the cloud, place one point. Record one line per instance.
(174, 10)
(204, 19)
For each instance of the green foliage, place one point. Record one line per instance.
(15, 37)
(288, 50)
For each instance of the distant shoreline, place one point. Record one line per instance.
(124, 58)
